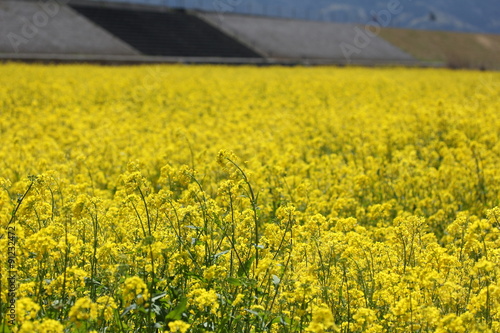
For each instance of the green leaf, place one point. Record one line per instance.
(157, 297)
(196, 241)
(128, 309)
(155, 308)
(284, 320)
(176, 313)
(216, 256)
(234, 281)
(245, 268)
(253, 312)
(148, 240)
(5, 328)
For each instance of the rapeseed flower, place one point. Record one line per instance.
(211, 197)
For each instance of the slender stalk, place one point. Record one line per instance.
(253, 201)
(20, 201)
(66, 259)
(140, 219)
(148, 218)
(11, 221)
(93, 263)
(151, 256)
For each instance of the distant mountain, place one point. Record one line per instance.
(453, 15)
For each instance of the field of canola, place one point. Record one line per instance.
(243, 199)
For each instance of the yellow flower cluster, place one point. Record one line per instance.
(178, 326)
(322, 320)
(203, 299)
(44, 326)
(83, 310)
(135, 290)
(244, 199)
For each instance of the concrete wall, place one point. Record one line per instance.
(286, 38)
(34, 28)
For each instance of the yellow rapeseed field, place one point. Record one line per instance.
(244, 199)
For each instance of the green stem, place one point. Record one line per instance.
(253, 201)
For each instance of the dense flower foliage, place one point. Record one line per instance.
(243, 199)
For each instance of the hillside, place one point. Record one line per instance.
(451, 48)
(450, 15)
